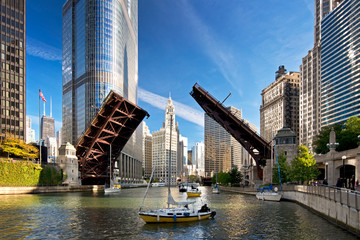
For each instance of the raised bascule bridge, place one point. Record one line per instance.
(257, 147)
(113, 125)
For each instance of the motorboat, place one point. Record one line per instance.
(193, 192)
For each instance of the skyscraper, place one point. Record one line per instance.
(309, 121)
(164, 147)
(280, 104)
(340, 64)
(100, 53)
(222, 151)
(13, 64)
(47, 127)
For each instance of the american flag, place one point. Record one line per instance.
(42, 96)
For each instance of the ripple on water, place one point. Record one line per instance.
(96, 216)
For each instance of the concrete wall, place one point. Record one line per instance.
(50, 189)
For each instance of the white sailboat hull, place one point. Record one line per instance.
(269, 196)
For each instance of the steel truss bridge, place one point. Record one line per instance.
(257, 147)
(113, 125)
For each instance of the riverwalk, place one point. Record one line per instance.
(338, 205)
(59, 189)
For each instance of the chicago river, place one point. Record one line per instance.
(87, 215)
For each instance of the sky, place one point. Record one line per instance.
(224, 45)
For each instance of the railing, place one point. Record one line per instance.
(343, 196)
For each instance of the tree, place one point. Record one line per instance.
(193, 178)
(235, 176)
(284, 169)
(223, 178)
(353, 125)
(303, 166)
(16, 147)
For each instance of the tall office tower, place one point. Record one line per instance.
(181, 155)
(12, 68)
(189, 157)
(47, 127)
(145, 133)
(340, 92)
(28, 130)
(309, 121)
(100, 53)
(58, 138)
(148, 156)
(161, 145)
(222, 151)
(198, 151)
(280, 104)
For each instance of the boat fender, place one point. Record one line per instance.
(186, 214)
(213, 213)
(175, 218)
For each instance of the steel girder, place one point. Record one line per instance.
(113, 125)
(258, 148)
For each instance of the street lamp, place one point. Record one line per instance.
(343, 162)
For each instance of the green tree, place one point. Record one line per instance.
(353, 125)
(223, 178)
(235, 176)
(284, 169)
(303, 166)
(192, 178)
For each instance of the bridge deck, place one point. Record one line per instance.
(258, 148)
(113, 125)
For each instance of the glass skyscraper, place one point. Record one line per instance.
(340, 64)
(12, 68)
(100, 53)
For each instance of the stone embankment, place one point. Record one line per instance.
(338, 205)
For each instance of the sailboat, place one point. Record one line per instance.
(268, 193)
(113, 188)
(216, 189)
(174, 214)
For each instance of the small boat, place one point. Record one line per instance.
(113, 188)
(193, 192)
(216, 189)
(158, 184)
(181, 213)
(269, 196)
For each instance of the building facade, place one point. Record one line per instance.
(13, 68)
(182, 156)
(164, 147)
(198, 151)
(340, 92)
(100, 53)
(30, 133)
(222, 151)
(280, 104)
(47, 127)
(310, 85)
(68, 162)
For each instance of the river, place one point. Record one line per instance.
(88, 215)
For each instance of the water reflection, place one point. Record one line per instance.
(99, 216)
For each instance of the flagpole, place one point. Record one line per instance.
(39, 128)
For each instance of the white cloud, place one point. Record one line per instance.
(42, 50)
(185, 112)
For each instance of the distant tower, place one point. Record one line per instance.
(47, 127)
(161, 147)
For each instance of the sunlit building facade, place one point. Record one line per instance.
(340, 64)
(310, 85)
(13, 68)
(100, 53)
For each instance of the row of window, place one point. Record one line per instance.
(12, 13)
(9, 113)
(15, 123)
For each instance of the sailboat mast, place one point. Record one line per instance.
(169, 170)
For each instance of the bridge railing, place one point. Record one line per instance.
(348, 197)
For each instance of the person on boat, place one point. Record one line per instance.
(204, 208)
(186, 206)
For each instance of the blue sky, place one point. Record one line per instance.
(224, 45)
